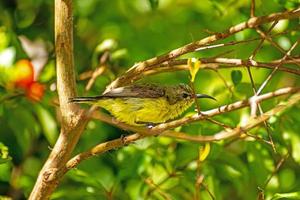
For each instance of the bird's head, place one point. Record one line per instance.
(182, 93)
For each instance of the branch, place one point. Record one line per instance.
(162, 128)
(252, 8)
(276, 68)
(251, 23)
(220, 63)
(73, 119)
(238, 130)
(254, 106)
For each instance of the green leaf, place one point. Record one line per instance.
(154, 4)
(295, 141)
(4, 155)
(48, 123)
(48, 72)
(5, 172)
(133, 188)
(236, 76)
(24, 126)
(291, 195)
(284, 175)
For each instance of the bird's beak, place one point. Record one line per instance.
(205, 96)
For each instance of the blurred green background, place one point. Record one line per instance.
(153, 168)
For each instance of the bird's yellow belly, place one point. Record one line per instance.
(140, 111)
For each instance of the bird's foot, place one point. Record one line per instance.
(123, 139)
(150, 125)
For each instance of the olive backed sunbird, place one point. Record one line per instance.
(144, 104)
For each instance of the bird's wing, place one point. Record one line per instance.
(138, 91)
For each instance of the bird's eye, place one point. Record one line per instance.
(185, 95)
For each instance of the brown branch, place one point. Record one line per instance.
(255, 105)
(199, 180)
(73, 120)
(144, 132)
(225, 83)
(278, 165)
(269, 39)
(253, 22)
(212, 197)
(252, 8)
(219, 63)
(99, 71)
(225, 134)
(156, 187)
(277, 67)
(261, 194)
(102, 66)
(160, 183)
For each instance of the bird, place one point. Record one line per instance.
(144, 104)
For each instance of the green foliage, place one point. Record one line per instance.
(159, 167)
(236, 76)
(154, 4)
(4, 155)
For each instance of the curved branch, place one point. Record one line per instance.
(219, 63)
(251, 23)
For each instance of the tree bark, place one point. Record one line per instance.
(73, 119)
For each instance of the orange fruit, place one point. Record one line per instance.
(23, 74)
(35, 91)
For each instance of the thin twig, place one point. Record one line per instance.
(199, 180)
(276, 68)
(170, 175)
(94, 76)
(226, 127)
(150, 182)
(218, 63)
(208, 191)
(276, 45)
(225, 83)
(252, 9)
(99, 70)
(258, 138)
(255, 104)
(279, 164)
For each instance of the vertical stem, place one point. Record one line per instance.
(73, 120)
(64, 57)
(252, 8)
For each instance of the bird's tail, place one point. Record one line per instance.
(84, 99)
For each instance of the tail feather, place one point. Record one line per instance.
(84, 99)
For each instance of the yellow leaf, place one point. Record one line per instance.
(194, 66)
(204, 151)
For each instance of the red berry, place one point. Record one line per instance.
(35, 91)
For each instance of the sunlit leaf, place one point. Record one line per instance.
(4, 155)
(194, 66)
(204, 151)
(291, 195)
